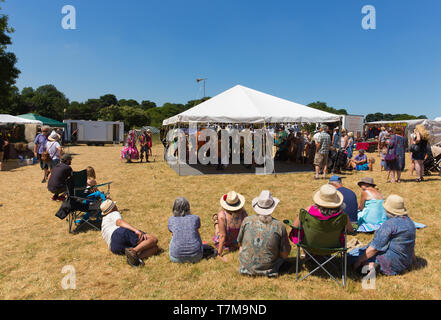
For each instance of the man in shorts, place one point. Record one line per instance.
(122, 238)
(323, 143)
(40, 146)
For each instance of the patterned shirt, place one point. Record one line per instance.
(261, 245)
(396, 242)
(325, 141)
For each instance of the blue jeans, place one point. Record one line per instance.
(190, 259)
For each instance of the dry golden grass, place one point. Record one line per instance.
(35, 245)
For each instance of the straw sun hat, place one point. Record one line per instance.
(368, 181)
(107, 206)
(395, 204)
(232, 201)
(328, 197)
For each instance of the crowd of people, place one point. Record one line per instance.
(263, 242)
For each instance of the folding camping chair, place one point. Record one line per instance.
(77, 192)
(322, 238)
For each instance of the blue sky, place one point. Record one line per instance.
(303, 51)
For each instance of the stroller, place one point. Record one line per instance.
(433, 161)
(337, 160)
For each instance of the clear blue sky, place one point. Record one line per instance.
(303, 51)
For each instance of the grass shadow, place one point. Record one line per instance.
(86, 227)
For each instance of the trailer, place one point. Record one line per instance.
(353, 123)
(95, 132)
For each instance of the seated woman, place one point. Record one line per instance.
(393, 248)
(360, 162)
(228, 222)
(186, 243)
(328, 203)
(371, 209)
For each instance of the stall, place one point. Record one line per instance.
(20, 134)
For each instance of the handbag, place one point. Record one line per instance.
(46, 157)
(414, 148)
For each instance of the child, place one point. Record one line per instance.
(383, 160)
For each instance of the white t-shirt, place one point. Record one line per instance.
(108, 226)
(52, 148)
(316, 136)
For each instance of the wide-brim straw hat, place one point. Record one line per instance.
(367, 180)
(395, 204)
(265, 203)
(107, 206)
(328, 197)
(232, 201)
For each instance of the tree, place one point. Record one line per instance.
(324, 107)
(108, 100)
(147, 104)
(8, 71)
(49, 102)
(130, 103)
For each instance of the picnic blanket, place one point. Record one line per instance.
(371, 227)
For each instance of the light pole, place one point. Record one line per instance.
(199, 80)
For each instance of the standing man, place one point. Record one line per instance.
(40, 146)
(322, 150)
(143, 140)
(336, 138)
(3, 144)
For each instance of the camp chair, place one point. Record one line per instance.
(77, 192)
(322, 238)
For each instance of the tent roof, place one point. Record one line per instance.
(7, 118)
(244, 105)
(44, 120)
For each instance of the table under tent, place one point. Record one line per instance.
(239, 108)
(20, 134)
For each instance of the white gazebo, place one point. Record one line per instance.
(244, 105)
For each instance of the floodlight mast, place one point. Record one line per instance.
(202, 79)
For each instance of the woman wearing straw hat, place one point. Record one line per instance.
(371, 209)
(122, 238)
(393, 248)
(228, 222)
(264, 244)
(328, 203)
(54, 148)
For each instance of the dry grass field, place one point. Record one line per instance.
(35, 245)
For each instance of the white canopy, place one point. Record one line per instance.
(438, 119)
(244, 105)
(7, 118)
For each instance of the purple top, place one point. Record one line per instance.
(41, 141)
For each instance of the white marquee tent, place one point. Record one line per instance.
(7, 118)
(244, 105)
